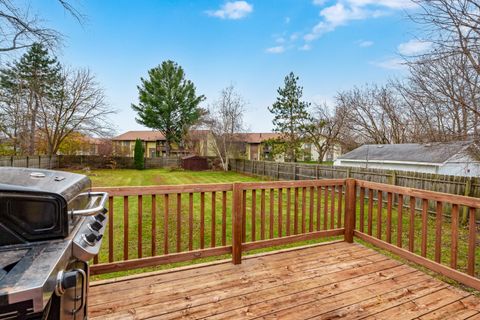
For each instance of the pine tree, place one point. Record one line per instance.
(138, 155)
(168, 102)
(290, 114)
(36, 78)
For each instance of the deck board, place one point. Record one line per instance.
(329, 281)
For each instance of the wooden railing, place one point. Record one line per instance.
(398, 220)
(154, 225)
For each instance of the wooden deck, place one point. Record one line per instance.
(329, 281)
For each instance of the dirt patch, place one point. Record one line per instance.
(157, 180)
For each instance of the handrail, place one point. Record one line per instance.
(184, 222)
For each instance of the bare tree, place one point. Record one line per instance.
(325, 128)
(79, 106)
(19, 28)
(225, 121)
(375, 114)
(454, 28)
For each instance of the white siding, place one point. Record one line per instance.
(387, 166)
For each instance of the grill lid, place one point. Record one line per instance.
(66, 184)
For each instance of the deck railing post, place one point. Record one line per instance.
(350, 209)
(237, 224)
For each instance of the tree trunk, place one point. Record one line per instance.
(33, 127)
(167, 148)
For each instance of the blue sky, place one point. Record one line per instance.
(330, 44)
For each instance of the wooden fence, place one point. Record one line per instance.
(43, 162)
(465, 186)
(156, 225)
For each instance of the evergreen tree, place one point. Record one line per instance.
(290, 114)
(138, 155)
(34, 79)
(168, 102)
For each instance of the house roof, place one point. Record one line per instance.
(150, 135)
(258, 137)
(435, 152)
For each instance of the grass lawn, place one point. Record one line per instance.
(131, 177)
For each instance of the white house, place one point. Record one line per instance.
(460, 158)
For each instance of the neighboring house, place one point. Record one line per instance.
(256, 148)
(255, 144)
(460, 158)
(198, 141)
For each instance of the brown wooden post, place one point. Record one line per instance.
(237, 224)
(350, 209)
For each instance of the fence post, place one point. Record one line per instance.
(237, 224)
(11, 161)
(393, 178)
(28, 160)
(278, 171)
(39, 161)
(468, 188)
(348, 172)
(350, 209)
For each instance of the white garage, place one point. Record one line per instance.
(460, 158)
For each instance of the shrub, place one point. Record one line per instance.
(138, 155)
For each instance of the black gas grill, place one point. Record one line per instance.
(51, 225)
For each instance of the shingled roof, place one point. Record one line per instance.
(435, 152)
(149, 135)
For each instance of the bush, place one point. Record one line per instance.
(138, 155)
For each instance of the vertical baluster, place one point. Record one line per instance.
(165, 224)
(319, 207)
(254, 209)
(262, 215)
(140, 225)
(280, 211)
(224, 218)
(110, 229)
(154, 225)
(454, 244)
(472, 241)
(389, 217)
(304, 207)
(125, 228)
(202, 220)
(179, 222)
(379, 213)
(339, 210)
(424, 227)
(311, 208)
(244, 215)
(332, 207)
(190, 221)
(213, 223)
(288, 210)
(272, 208)
(370, 211)
(295, 213)
(438, 232)
(325, 208)
(400, 220)
(362, 209)
(411, 226)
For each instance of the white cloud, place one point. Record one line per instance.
(305, 47)
(392, 4)
(414, 47)
(287, 20)
(365, 43)
(280, 40)
(391, 64)
(233, 10)
(276, 49)
(344, 11)
(338, 15)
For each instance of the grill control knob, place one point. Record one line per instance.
(100, 217)
(96, 226)
(91, 238)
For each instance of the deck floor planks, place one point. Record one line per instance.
(337, 280)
